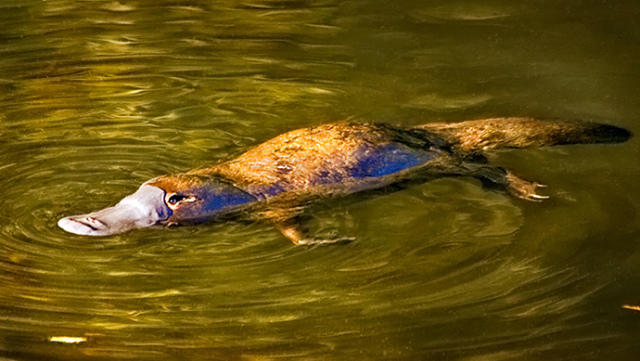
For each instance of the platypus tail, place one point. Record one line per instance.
(475, 136)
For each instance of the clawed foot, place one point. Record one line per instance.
(314, 242)
(524, 189)
(293, 232)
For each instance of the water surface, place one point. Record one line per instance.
(97, 97)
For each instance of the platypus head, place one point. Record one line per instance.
(169, 200)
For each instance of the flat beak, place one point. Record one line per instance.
(144, 208)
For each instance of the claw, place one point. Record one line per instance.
(524, 189)
(536, 197)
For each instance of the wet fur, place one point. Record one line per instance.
(317, 157)
(321, 157)
(342, 158)
(477, 136)
(309, 160)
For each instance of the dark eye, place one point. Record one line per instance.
(175, 198)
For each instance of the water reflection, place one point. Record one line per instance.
(99, 97)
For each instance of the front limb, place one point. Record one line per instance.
(292, 229)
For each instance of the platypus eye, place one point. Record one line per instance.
(175, 199)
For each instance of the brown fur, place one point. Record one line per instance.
(476, 136)
(176, 183)
(286, 172)
(294, 159)
(297, 157)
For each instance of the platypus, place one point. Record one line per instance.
(275, 180)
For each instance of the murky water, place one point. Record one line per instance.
(97, 97)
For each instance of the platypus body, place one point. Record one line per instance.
(276, 179)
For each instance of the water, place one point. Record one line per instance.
(97, 97)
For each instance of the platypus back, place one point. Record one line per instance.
(475, 136)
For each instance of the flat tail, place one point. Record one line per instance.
(605, 133)
(475, 136)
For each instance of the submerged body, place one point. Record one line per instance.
(277, 178)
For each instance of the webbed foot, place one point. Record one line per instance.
(524, 189)
(514, 185)
(295, 234)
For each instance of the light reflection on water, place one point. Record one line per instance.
(98, 97)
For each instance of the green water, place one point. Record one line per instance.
(98, 96)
